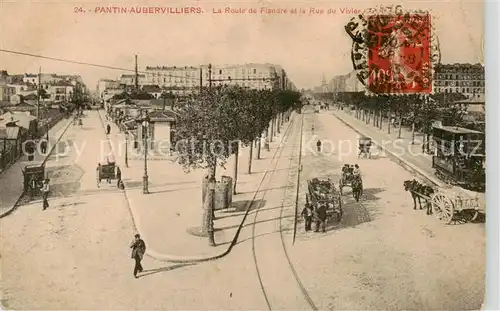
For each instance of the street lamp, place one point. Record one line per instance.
(126, 148)
(145, 122)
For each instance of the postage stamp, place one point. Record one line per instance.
(394, 51)
(399, 57)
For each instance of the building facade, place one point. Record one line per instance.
(187, 79)
(129, 80)
(346, 83)
(467, 79)
(104, 85)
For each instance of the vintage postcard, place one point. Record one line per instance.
(245, 155)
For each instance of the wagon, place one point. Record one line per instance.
(448, 205)
(349, 179)
(323, 191)
(364, 145)
(108, 170)
(35, 172)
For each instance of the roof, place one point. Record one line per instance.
(23, 120)
(10, 132)
(471, 101)
(133, 76)
(151, 88)
(459, 130)
(159, 115)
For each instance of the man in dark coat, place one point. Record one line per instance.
(108, 129)
(307, 213)
(138, 250)
(321, 218)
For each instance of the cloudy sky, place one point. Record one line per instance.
(307, 46)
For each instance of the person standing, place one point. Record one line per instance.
(43, 146)
(318, 145)
(138, 250)
(321, 218)
(307, 213)
(108, 129)
(45, 193)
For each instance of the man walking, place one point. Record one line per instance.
(108, 129)
(45, 193)
(138, 250)
(318, 145)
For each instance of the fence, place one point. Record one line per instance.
(10, 150)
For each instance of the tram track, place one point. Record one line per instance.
(265, 288)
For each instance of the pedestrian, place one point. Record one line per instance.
(321, 218)
(307, 213)
(108, 129)
(356, 171)
(45, 193)
(43, 146)
(318, 145)
(138, 250)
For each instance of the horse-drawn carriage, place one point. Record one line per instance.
(322, 192)
(108, 170)
(351, 179)
(364, 145)
(450, 205)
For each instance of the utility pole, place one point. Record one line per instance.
(210, 76)
(38, 94)
(136, 76)
(201, 78)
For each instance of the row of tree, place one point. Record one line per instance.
(213, 124)
(415, 110)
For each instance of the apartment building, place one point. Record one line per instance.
(467, 79)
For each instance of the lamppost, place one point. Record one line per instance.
(126, 148)
(145, 122)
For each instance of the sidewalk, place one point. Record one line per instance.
(168, 215)
(12, 178)
(400, 150)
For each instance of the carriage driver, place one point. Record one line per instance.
(356, 171)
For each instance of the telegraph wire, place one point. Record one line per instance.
(125, 69)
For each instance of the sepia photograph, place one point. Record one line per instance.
(245, 155)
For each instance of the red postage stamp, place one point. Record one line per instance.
(399, 53)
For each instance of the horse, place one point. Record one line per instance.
(416, 188)
(357, 187)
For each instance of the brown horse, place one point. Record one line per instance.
(418, 191)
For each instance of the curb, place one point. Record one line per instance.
(13, 208)
(401, 162)
(202, 258)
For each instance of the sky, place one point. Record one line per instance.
(307, 46)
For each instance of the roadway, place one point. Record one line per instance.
(383, 255)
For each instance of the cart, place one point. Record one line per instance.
(364, 145)
(452, 205)
(349, 179)
(108, 170)
(33, 175)
(322, 191)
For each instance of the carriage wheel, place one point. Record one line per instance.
(443, 208)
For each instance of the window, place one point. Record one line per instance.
(456, 83)
(255, 71)
(220, 72)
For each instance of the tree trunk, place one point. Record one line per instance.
(374, 117)
(271, 131)
(235, 168)
(400, 123)
(389, 124)
(259, 143)
(278, 122)
(250, 159)
(413, 133)
(208, 211)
